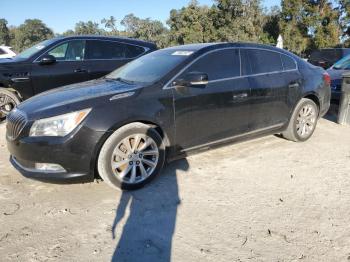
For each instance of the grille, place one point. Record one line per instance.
(16, 121)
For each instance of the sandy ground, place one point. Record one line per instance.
(262, 200)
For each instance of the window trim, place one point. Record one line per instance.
(169, 86)
(146, 49)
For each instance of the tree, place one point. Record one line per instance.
(293, 27)
(87, 28)
(191, 24)
(31, 32)
(271, 25)
(323, 22)
(4, 32)
(111, 24)
(145, 29)
(239, 20)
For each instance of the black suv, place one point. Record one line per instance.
(162, 106)
(62, 61)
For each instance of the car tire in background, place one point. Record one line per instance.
(303, 121)
(131, 157)
(8, 101)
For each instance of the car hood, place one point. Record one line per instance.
(75, 97)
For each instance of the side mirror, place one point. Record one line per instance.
(48, 60)
(193, 79)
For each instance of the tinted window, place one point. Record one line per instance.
(218, 65)
(69, 51)
(263, 61)
(149, 68)
(2, 52)
(288, 63)
(111, 50)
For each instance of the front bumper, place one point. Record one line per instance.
(77, 154)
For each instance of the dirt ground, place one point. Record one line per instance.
(263, 200)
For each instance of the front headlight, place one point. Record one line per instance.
(60, 125)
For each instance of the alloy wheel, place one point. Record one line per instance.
(135, 158)
(7, 104)
(306, 121)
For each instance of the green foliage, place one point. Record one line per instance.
(111, 25)
(145, 29)
(4, 33)
(191, 24)
(87, 28)
(304, 24)
(31, 32)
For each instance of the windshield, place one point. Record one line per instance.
(34, 49)
(151, 67)
(343, 63)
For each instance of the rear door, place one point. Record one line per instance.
(69, 67)
(275, 82)
(104, 56)
(218, 111)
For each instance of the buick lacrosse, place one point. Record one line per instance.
(163, 106)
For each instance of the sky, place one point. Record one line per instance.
(64, 14)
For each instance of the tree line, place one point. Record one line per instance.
(305, 25)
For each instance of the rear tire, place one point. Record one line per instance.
(8, 101)
(131, 157)
(303, 121)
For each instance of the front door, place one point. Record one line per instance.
(216, 112)
(69, 67)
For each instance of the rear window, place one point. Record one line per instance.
(288, 63)
(97, 49)
(264, 61)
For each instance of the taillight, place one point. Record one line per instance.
(327, 78)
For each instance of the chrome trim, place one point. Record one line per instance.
(168, 86)
(232, 137)
(199, 83)
(20, 79)
(34, 170)
(122, 95)
(146, 49)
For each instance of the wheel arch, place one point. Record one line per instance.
(161, 131)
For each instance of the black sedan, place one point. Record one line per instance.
(162, 106)
(62, 61)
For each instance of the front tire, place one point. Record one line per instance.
(303, 121)
(131, 157)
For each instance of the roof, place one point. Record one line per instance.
(115, 38)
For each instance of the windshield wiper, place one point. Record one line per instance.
(129, 82)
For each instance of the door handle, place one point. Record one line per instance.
(79, 70)
(293, 85)
(240, 96)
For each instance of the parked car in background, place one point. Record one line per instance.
(62, 61)
(165, 105)
(325, 58)
(6, 52)
(336, 72)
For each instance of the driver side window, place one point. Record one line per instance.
(218, 65)
(69, 51)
